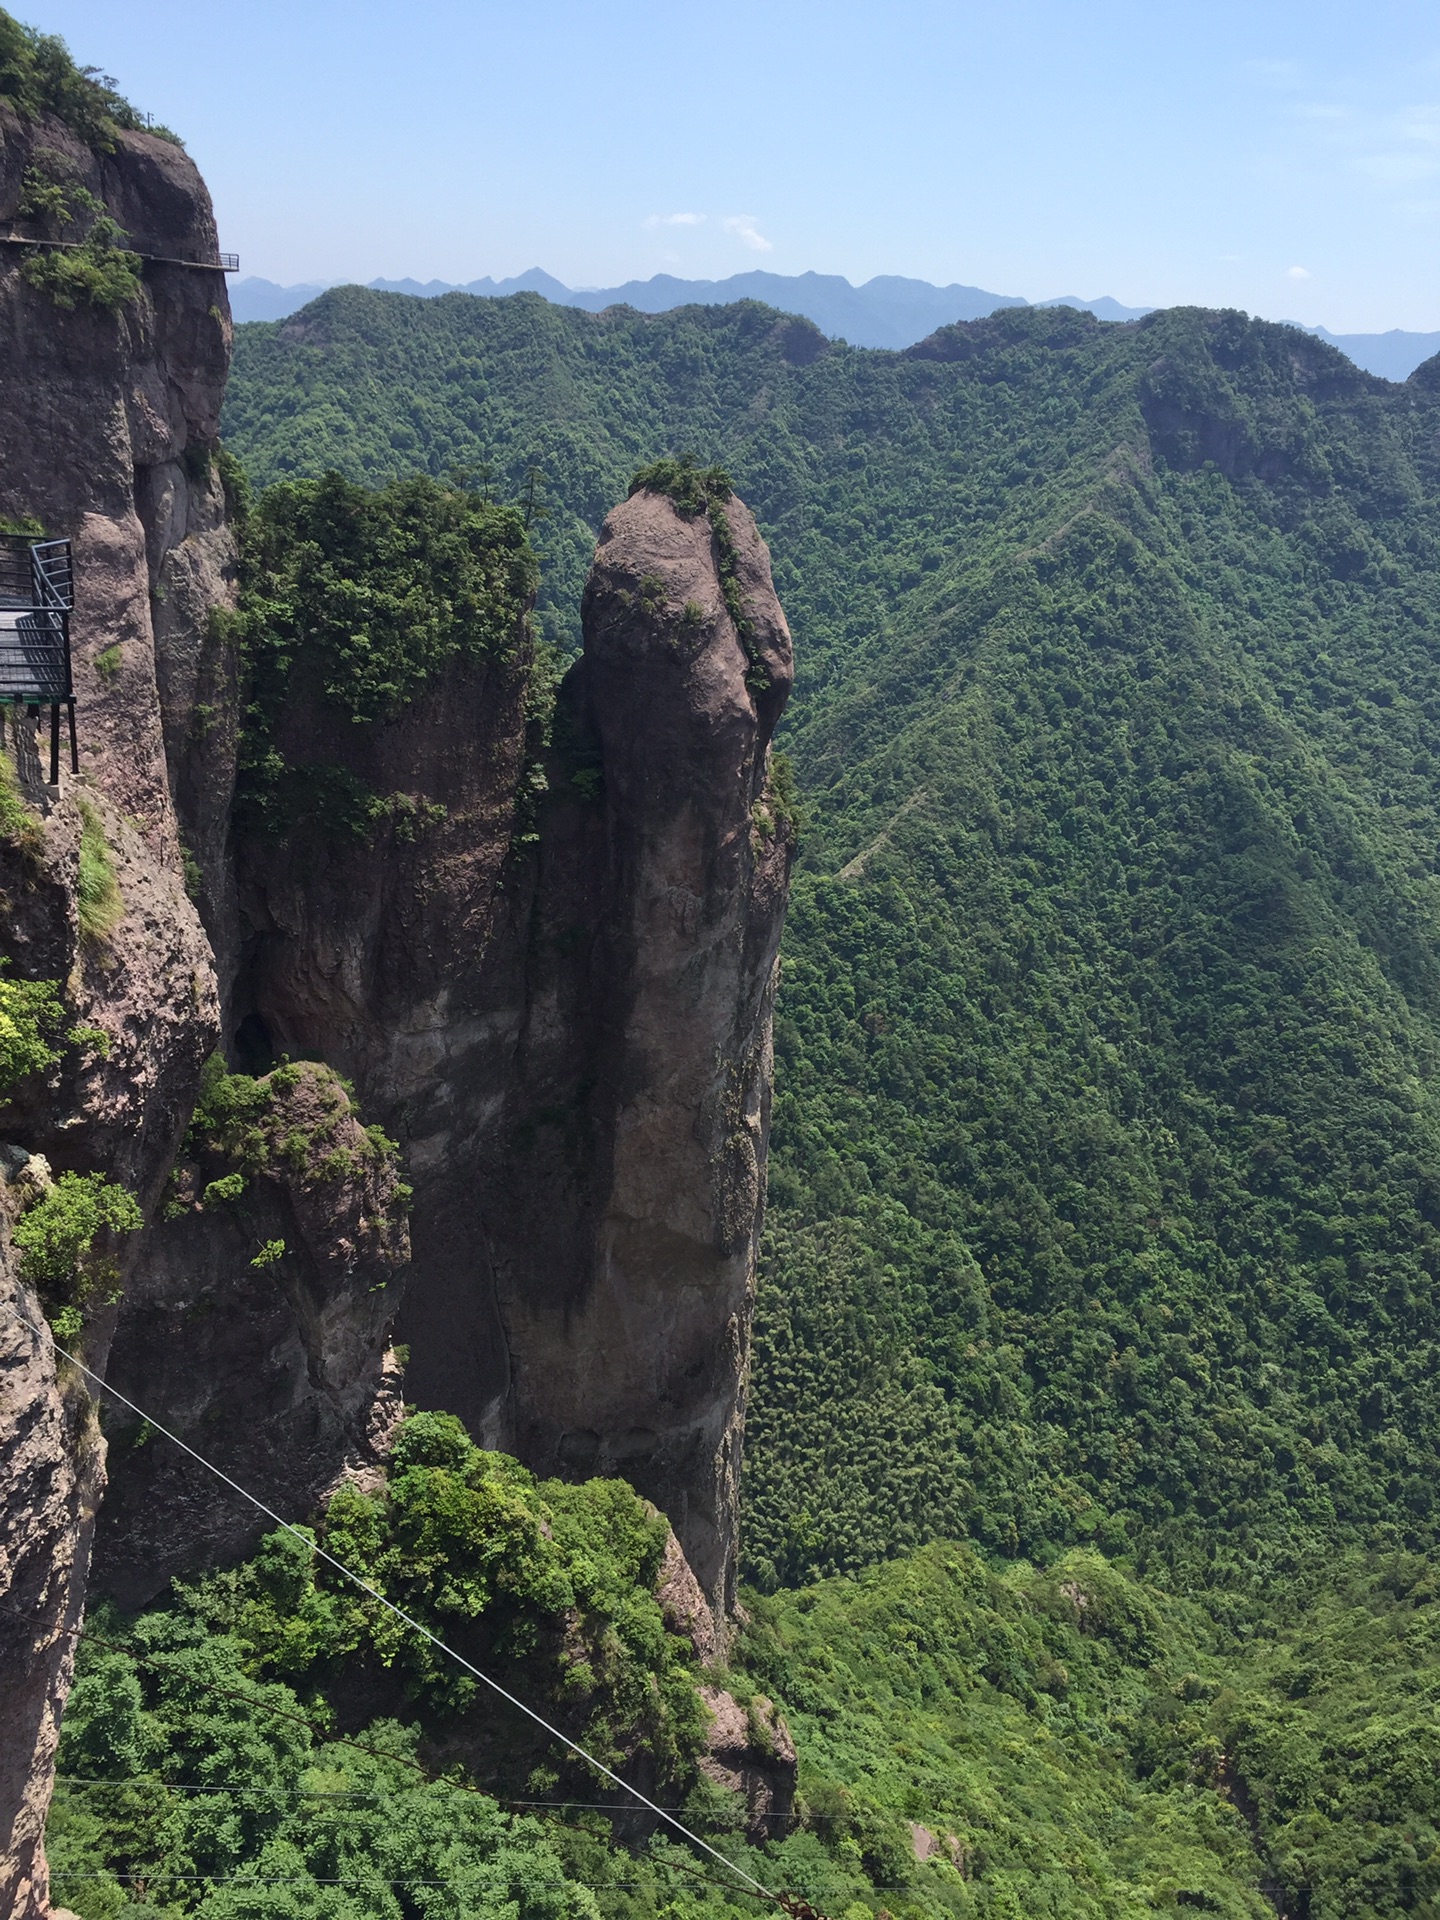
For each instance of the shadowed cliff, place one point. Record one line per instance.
(550, 977)
(627, 1173)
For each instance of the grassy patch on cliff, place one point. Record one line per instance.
(99, 906)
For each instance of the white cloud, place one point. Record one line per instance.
(675, 220)
(1297, 273)
(743, 226)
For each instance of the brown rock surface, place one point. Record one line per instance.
(749, 1752)
(50, 1475)
(99, 403)
(627, 1182)
(568, 1031)
(284, 1366)
(685, 1605)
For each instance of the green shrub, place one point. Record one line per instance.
(783, 793)
(228, 1187)
(38, 75)
(51, 194)
(236, 485)
(98, 272)
(243, 1126)
(32, 1021)
(57, 1239)
(158, 1708)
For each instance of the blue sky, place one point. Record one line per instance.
(1280, 157)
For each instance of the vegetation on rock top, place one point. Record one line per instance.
(38, 75)
(296, 1126)
(351, 600)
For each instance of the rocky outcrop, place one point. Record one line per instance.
(748, 1749)
(624, 1183)
(51, 1474)
(555, 988)
(685, 1604)
(259, 1312)
(749, 1752)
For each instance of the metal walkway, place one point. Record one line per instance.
(37, 596)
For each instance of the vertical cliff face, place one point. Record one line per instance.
(50, 1474)
(625, 1181)
(105, 413)
(258, 1315)
(561, 1006)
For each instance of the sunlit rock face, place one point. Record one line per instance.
(108, 423)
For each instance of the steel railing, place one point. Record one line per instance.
(52, 571)
(37, 597)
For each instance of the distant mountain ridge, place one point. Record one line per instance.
(888, 311)
(1393, 355)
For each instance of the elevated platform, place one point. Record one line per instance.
(37, 596)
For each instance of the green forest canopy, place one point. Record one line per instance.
(974, 1741)
(1105, 1179)
(1106, 1166)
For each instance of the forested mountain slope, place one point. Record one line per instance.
(1106, 1174)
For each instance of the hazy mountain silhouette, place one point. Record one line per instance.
(888, 311)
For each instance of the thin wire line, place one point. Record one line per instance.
(400, 1614)
(58, 1874)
